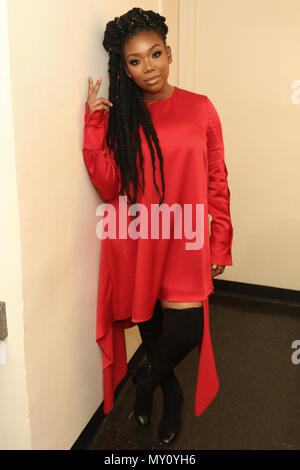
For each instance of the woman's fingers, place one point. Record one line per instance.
(91, 84)
(215, 271)
(94, 89)
(98, 84)
(103, 101)
(106, 108)
(94, 103)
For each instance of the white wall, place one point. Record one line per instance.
(14, 413)
(54, 253)
(243, 54)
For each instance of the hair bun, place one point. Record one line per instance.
(126, 25)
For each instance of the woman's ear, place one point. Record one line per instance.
(169, 52)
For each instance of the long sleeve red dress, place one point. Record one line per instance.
(136, 271)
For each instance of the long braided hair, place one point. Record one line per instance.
(129, 109)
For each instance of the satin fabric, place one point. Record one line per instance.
(134, 273)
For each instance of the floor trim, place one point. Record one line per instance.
(254, 290)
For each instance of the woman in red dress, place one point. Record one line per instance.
(153, 147)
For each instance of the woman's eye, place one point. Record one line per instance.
(154, 54)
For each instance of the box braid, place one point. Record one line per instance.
(129, 109)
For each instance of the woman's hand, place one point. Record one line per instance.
(217, 270)
(92, 101)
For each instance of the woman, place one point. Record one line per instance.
(158, 146)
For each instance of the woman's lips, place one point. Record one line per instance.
(151, 82)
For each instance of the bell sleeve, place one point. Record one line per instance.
(98, 157)
(218, 192)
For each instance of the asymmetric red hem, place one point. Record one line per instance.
(115, 363)
(179, 299)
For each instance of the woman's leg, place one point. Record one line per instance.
(182, 331)
(153, 328)
(150, 331)
(178, 305)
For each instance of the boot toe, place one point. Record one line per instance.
(142, 419)
(168, 437)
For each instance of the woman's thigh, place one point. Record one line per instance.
(179, 305)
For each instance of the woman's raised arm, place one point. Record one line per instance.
(98, 157)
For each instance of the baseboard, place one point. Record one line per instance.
(255, 291)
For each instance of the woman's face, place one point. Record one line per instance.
(146, 57)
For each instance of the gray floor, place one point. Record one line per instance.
(258, 404)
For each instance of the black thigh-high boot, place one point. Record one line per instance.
(150, 332)
(182, 331)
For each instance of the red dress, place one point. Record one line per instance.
(136, 271)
